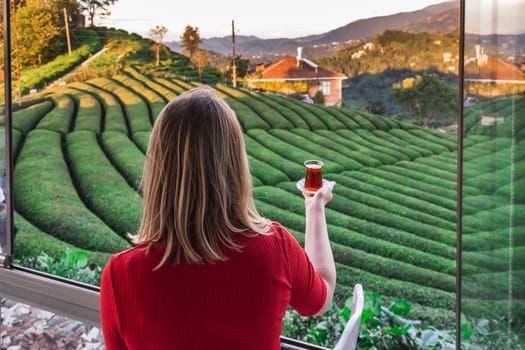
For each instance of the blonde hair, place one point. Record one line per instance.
(197, 185)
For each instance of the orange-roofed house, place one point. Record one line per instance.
(299, 76)
(491, 76)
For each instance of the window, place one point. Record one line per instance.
(394, 221)
(325, 87)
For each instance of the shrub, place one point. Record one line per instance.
(293, 153)
(26, 119)
(113, 114)
(60, 118)
(318, 98)
(125, 156)
(44, 191)
(72, 265)
(154, 101)
(113, 199)
(272, 116)
(294, 118)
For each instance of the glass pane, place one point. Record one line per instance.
(493, 298)
(81, 131)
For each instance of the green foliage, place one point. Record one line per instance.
(318, 98)
(37, 32)
(52, 201)
(59, 119)
(113, 199)
(191, 39)
(125, 156)
(46, 73)
(427, 97)
(72, 265)
(95, 8)
(387, 328)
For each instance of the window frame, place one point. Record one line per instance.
(81, 301)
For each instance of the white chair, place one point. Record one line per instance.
(348, 339)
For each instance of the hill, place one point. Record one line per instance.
(254, 47)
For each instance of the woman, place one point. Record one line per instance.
(208, 271)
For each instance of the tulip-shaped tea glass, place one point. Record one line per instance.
(313, 179)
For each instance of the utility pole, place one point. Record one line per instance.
(234, 66)
(66, 22)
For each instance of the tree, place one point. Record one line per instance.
(157, 34)
(36, 31)
(191, 39)
(427, 97)
(201, 61)
(96, 8)
(319, 98)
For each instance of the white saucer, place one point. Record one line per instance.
(300, 186)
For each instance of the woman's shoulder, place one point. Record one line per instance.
(125, 257)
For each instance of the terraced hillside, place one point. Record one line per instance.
(80, 151)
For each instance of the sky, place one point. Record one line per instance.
(265, 19)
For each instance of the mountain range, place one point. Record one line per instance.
(442, 17)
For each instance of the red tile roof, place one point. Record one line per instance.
(494, 69)
(288, 69)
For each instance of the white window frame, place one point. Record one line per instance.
(325, 87)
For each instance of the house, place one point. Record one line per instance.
(491, 76)
(299, 75)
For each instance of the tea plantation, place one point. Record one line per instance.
(79, 151)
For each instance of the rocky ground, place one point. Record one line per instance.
(26, 327)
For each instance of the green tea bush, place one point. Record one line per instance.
(434, 138)
(113, 114)
(418, 141)
(247, 117)
(154, 101)
(391, 139)
(160, 89)
(135, 109)
(26, 119)
(265, 172)
(295, 119)
(173, 88)
(293, 153)
(384, 154)
(60, 118)
(485, 239)
(371, 137)
(30, 241)
(313, 122)
(141, 139)
(325, 114)
(343, 117)
(379, 122)
(369, 187)
(89, 113)
(493, 219)
(361, 154)
(125, 156)
(403, 173)
(363, 122)
(322, 138)
(272, 116)
(112, 199)
(293, 170)
(44, 192)
(284, 205)
(309, 145)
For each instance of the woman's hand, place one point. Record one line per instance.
(321, 196)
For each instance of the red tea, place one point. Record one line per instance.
(313, 180)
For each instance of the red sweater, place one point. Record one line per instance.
(236, 304)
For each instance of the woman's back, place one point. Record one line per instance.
(235, 304)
